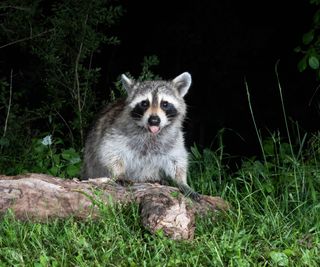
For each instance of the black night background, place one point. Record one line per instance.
(221, 43)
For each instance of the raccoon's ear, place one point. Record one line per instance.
(127, 83)
(182, 83)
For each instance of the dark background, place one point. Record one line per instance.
(221, 43)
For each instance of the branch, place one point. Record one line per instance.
(9, 106)
(26, 38)
(39, 197)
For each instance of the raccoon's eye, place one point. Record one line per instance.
(144, 104)
(165, 104)
(169, 109)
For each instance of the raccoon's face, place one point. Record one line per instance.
(155, 105)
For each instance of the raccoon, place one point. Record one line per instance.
(140, 139)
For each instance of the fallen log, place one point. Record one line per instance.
(41, 197)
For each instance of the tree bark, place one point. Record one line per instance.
(41, 197)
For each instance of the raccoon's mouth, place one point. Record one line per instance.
(154, 129)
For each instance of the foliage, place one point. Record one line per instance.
(145, 74)
(44, 155)
(50, 156)
(14, 127)
(310, 47)
(62, 38)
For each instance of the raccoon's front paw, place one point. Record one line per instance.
(193, 195)
(188, 192)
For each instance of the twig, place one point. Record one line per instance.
(16, 7)
(9, 106)
(87, 83)
(26, 38)
(71, 135)
(78, 91)
(314, 94)
(77, 82)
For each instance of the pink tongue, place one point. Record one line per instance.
(154, 129)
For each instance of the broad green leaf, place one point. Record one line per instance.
(316, 17)
(73, 170)
(75, 160)
(54, 171)
(289, 252)
(308, 37)
(302, 65)
(279, 258)
(56, 159)
(313, 62)
(43, 260)
(70, 153)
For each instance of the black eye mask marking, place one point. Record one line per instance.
(140, 108)
(169, 109)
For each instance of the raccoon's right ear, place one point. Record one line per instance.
(127, 83)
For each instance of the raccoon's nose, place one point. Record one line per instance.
(154, 120)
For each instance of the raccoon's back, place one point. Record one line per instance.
(105, 120)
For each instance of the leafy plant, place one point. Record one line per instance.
(145, 74)
(63, 38)
(310, 47)
(49, 157)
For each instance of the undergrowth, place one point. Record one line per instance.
(274, 221)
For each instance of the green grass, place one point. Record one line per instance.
(274, 221)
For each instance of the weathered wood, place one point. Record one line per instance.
(40, 197)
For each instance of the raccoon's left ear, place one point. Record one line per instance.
(182, 83)
(127, 83)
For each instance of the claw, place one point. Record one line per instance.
(188, 192)
(195, 196)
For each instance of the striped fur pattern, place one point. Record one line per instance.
(140, 138)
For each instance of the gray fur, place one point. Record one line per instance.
(121, 147)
